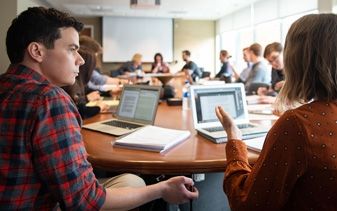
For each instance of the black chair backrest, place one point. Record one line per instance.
(206, 74)
(253, 87)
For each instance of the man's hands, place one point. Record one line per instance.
(279, 85)
(104, 107)
(93, 96)
(175, 190)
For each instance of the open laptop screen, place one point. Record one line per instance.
(206, 99)
(138, 103)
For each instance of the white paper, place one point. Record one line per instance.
(255, 144)
(153, 138)
(108, 87)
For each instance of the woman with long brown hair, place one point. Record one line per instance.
(297, 168)
(77, 90)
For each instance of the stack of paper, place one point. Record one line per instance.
(255, 144)
(108, 102)
(253, 99)
(108, 87)
(261, 112)
(153, 138)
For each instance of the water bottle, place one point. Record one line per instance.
(186, 95)
(139, 73)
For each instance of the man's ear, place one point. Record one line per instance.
(36, 51)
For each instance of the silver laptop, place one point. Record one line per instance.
(232, 98)
(137, 107)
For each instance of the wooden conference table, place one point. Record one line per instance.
(195, 155)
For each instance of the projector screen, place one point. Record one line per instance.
(124, 36)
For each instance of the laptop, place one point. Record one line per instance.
(232, 98)
(137, 108)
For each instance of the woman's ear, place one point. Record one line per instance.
(36, 51)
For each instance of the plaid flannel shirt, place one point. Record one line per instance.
(42, 157)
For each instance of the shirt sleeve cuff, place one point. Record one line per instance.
(236, 150)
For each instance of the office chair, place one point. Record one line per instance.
(253, 87)
(205, 74)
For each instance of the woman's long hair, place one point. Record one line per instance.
(310, 61)
(77, 90)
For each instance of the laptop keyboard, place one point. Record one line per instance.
(216, 129)
(243, 126)
(120, 124)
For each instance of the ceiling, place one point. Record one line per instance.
(185, 9)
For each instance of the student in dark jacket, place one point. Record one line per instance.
(227, 70)
(191, 70)
(133, 66)
(274, 55)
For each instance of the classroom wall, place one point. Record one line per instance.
(7, 13)
(196, 36)
(263, 21)
(325, 6)
(96, 22)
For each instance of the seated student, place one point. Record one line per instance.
(77, 90)
(259, 72)
(296, 169)
(43, 158)
(130, 66)
(273, 54)
(191, 70)
(245, 72)
(97, 79)
(226, 71)
(159, 66)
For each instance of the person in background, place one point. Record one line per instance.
(43, 158)
(227, 69)
(97, 79)
(259, 72)
(245, 72)
(273, 54)
(77, 90)
(296, 169)
(191, 70)
(133, 66)
(159, 66)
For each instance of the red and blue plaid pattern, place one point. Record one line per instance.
(42, 157)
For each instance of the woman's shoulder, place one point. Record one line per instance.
(316, 107)
(312, 112)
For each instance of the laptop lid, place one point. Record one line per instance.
(204, 99)
(138, 103)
